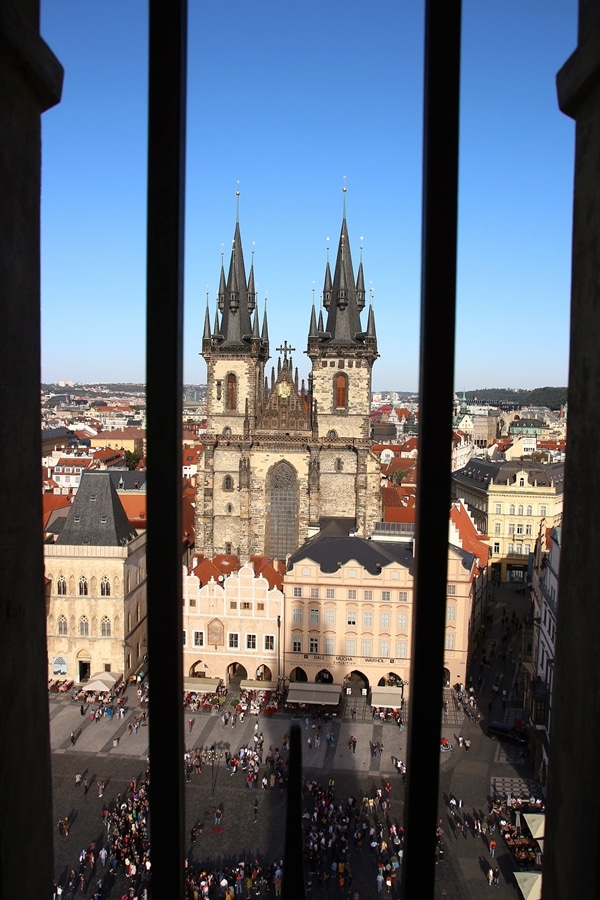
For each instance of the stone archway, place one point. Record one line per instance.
(356, 682)
(298, 674)
(392, 679)
(324, 677)
(263, 673)
(236, 673)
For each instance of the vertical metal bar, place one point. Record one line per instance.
(438, 303)
(164, 386)
(293, 871)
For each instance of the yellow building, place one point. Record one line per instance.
(348, 617)
(508, 500)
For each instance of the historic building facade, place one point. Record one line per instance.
(231, 629)
(96, 571)
(281, 457)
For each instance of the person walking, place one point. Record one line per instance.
(73, 738)
(490, 876)
(492, 846)
(496, 876)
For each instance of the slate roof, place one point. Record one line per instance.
(126, 480)
(329, 552)
(96, 516)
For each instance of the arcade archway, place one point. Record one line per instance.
(263, 673)
(298, 674)
(392, 679)
(236, 672)
(356, 684)
(324, 677)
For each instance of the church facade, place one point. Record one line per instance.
(281, 459)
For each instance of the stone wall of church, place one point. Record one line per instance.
(352, 422)
(245, 370)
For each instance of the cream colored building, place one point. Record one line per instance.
(96, 569)
(232, 630)
(349, 609)
(508, 501)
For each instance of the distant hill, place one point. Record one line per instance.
(552, 397)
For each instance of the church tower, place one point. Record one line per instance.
(342, 353)
(281, 459)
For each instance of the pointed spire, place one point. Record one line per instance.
(255, 331)
(360, 283)
(312, 328)
(265, 328)
(222, 286)
(206, 335)
(251, 288)
(343, 319)
(371, 333)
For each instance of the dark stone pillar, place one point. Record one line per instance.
(573, 823)
(30, 82)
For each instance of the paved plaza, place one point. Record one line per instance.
(111, 751)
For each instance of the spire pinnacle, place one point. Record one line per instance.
(237, 203)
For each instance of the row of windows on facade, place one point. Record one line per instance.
(367, 595)
(520, 510)
(83, 587)
(366, 646)
(519, 528)
(259, 606)
(340, 391)
(385, 618)
(84, 626)
(514, 549)
(233, 640)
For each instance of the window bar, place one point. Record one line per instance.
(164, 385)
(438, 303)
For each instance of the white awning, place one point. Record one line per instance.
(530, 885)
(258, 685)
(323, 694)
(387, 696)
(536, 822)
(201, 685)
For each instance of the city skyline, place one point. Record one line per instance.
(288, 112)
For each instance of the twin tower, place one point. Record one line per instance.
(282, 460)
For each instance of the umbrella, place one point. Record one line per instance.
(536, 822)
(530, 885)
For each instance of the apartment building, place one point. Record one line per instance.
(349, 606)
(508, 500)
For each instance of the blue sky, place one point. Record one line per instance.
(288, 100)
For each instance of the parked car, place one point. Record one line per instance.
(504, 732)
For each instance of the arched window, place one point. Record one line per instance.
(105, 587)
(520, 510)
(341, 391)
(84, 627)
(339, 465)
(511, 510)
(61, 586)
(229, 508)
(231, 394)
(105, 627)
(228, 483)
(83, 586)
(530, 510)
(62, 625)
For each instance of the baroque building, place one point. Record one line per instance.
(281, 458)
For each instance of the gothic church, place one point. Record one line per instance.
(281, 459)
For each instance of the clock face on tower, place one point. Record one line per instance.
(283, 389)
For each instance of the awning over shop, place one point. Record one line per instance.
(324, 694)
(536, 822)
(387, 696)
(530, 885)
(201, 685)
(258, 685)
